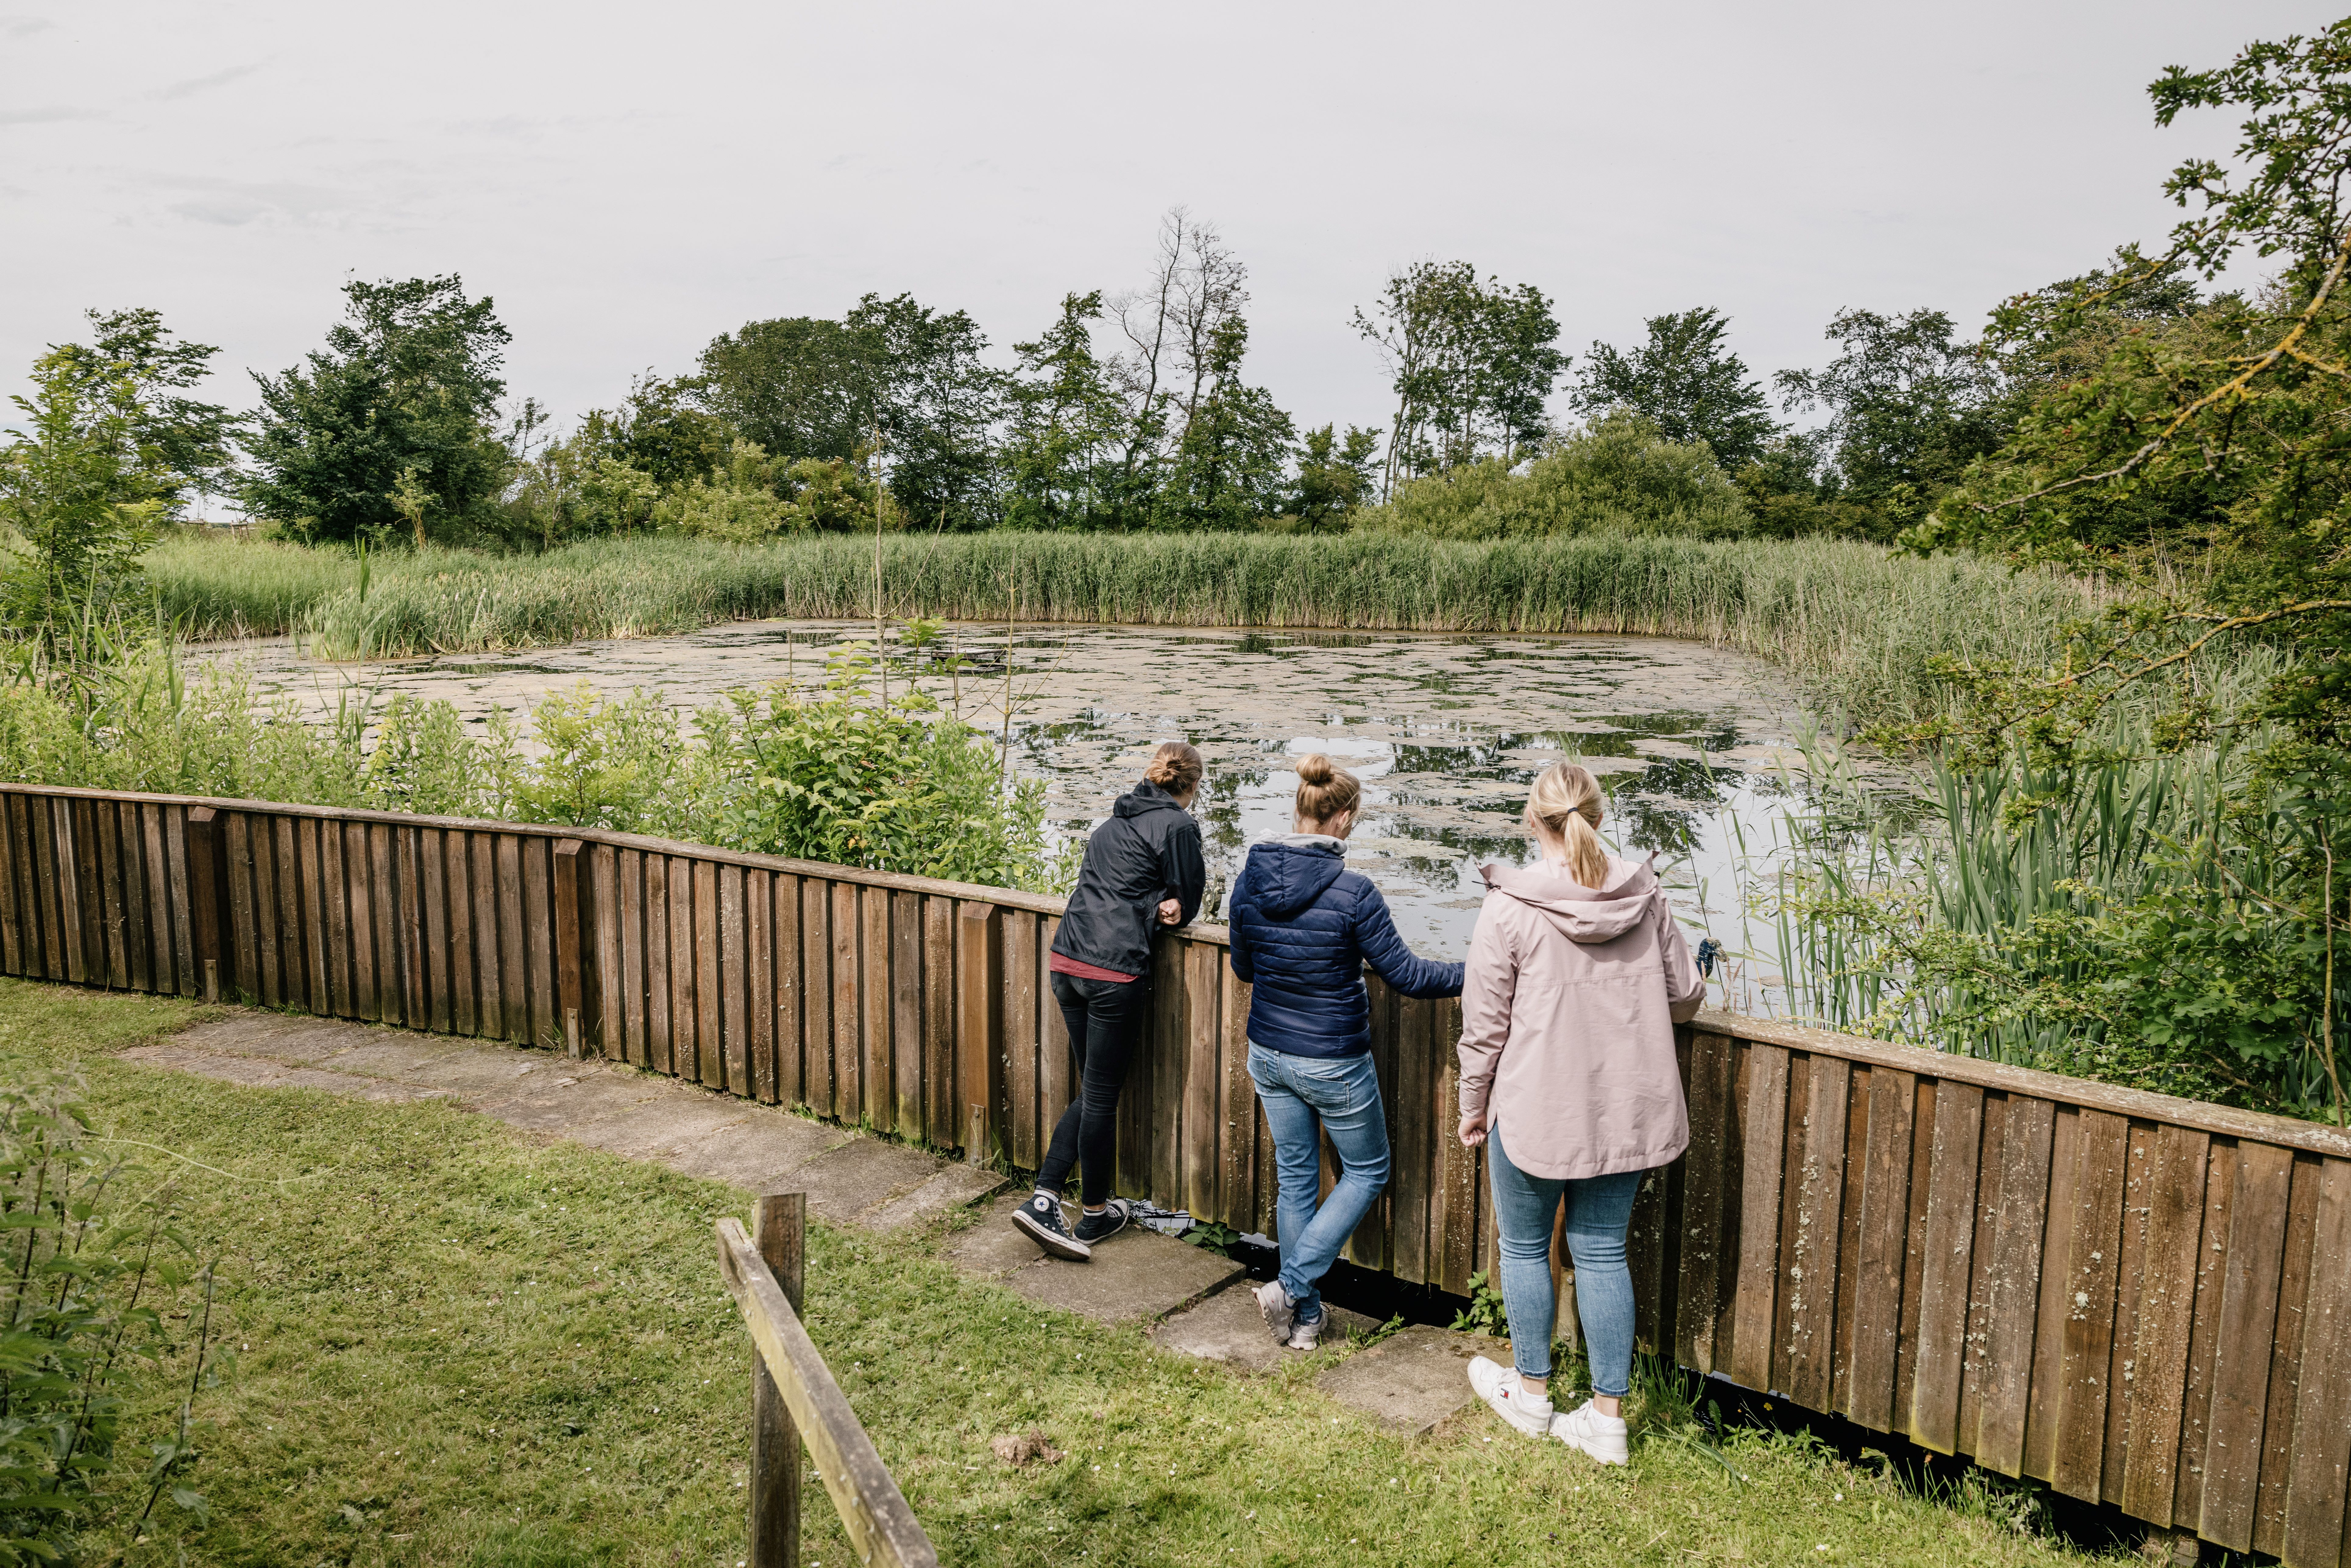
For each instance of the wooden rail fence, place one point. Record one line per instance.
(2143, 1300)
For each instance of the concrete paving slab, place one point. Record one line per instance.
(657, 1128)
(484, 1071)
(395, 1053)
(1227, 1327)
(1134, 1276)
(858, 1174)
(289, 1036)
(1413, 1379)
(956, 1187)
(992, 1249)
(763, 1152)
(257, 1071)
(564, 1102)
(379, 1091)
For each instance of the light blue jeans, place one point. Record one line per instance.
(1304, 1097)
(1599, 1208)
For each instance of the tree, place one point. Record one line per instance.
(1231, 466)
(936, 405)
(1334, 476)
(1062, 456)
(1686, 384)
(1908, 410)
(184, 445)
(660, 431)
(409, 379)
(798, 386)
(1171, 327)
(82, 492)
(1472, 364)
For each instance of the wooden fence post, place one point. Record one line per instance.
(979, 1024)
(780, 1230)
(210, 943)
(571, 994)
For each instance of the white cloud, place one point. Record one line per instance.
(193, 85)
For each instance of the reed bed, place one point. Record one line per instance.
(1854, 623)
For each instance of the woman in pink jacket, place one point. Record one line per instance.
(1575, 980)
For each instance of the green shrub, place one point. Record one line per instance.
(88, 1295)
(1616, 476)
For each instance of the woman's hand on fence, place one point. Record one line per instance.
(1170, 912)
(1473, 1130)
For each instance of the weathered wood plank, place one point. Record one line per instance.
(2204, 1335)
(792, 1082)
(873, 990)
(2015, 1278)
(433, 890)
(2130, 1276)
(162, 941)
(2042, 1396)
(1882, 1250)
(2092, 1275)
(661, 1053)
(1757, 1302)
(514, 951)
(2320, 1473)
(732, 980)
(138, 972)
(537, 911)
(1057, 1078)
(297, 934)
(1413, 1110)
(464, 993)
(2241, 1363)
(383, 891)
(759, 982)
(16, 937)
(612, 1009)
(1811, 1281)
(979, 1023)
(2167, 1304)
(1203, 1078)
(1237, 1112)
(1024, 1141)
(571, 1004)
(710, 1052)
(849, 982)
(817, 994)
(635, 941)
(360, 886)
(492, 984)
(241, 921)
(62, 923)
(114, 957)
(939, 1022)
(2285, 1356)
(906, 1010)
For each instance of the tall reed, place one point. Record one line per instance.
(1854, 623)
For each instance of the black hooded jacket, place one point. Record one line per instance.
(1149, 849)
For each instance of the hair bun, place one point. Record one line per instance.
(1315, 769)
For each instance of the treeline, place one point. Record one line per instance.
(1126, 412)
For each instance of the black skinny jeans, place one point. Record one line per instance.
(1104, 1018)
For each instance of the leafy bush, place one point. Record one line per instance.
(1615, 475)
(87, 1295)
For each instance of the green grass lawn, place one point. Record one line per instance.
(457, 1345)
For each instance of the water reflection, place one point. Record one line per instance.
(1446, 731)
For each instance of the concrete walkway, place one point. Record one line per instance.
(1411, 1381)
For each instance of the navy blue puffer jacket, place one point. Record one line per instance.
(1303, 927)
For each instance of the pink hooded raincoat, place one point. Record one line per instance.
(1567, 1021)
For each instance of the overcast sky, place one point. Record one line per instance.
(628, 181)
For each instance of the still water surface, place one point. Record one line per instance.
(1694, 743)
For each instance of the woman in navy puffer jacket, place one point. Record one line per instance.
(1303, 927)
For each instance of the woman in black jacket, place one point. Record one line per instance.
(1142, 871)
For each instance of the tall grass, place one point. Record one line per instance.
(1855, 624)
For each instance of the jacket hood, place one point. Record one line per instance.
(1577, 911)
(1283, 878)
(1145, 797)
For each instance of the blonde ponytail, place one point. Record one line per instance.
(1174, 768)
(1566, 801)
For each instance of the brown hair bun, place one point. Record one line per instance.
(1175, 767)
(1315, 769)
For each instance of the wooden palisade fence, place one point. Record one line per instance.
(2145, 1300)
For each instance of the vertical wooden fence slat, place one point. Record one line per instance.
(2091, 1275)
(610, 1010)
(1820, 1223)
(415, 966)
(1884, 1249)
(2285, 1355)
(1023, 1140)
(2316, 1508)
(514, 954)
(296, 935)
(2241, 1364)
(14, 945)
(1699, 1295)
(314, 917)
(439, 982)
(1416, 1131)
(245, 939)
(1057, 1082)
(979, 984)
(573, 1019)
(848, 1004)
(1201, 1080)
(162, 940)
(384, 901)
(759, 984)
(464, 942)
(816, 998)
(906, 1013)
(636, 943)
(792, 1085)
(2211, 1282)
(2014, 1281)
(733, 980)
(709, 1026)
(207, 901)
(2130, 1276)
(1759, 1224)
(2165, 1316)
(113, 918)
(268, 940)
(873, 969)
(1944, 1287)
(139, 971)
(82, 876)
(660, 1055)
(939, 1094)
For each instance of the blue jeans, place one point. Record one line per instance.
(1598, 1210)
(1305, 1096)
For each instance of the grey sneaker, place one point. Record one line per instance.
(1305, 1333)
(1498, 1385)
(1280, 1311)
(1584, 1427)
(1041, 1217)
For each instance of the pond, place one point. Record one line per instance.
(1697, 745)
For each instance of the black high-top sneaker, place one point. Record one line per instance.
(1041, 1216)
(1094, 1228)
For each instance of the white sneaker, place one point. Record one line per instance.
(1499, 1387)
(1584, 1427)
(1305, 1333)
(1280, 1311)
